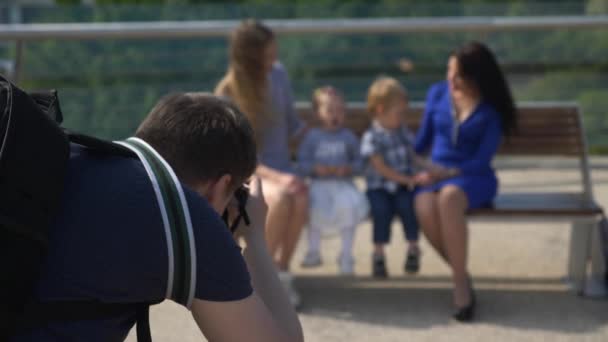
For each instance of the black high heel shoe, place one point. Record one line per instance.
(467, 313)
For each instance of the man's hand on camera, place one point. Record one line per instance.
(257, 210)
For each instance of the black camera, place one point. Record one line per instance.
(241, 195)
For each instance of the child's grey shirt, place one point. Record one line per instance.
(329, 148)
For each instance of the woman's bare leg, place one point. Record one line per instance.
(279, 212)
(426, 204)
(453, 204)
(297, 219)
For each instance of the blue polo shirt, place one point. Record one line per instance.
(108, 244)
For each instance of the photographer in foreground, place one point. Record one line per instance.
(108, 244)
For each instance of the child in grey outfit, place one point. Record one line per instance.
(330, 156)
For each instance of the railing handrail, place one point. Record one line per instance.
(220, 28)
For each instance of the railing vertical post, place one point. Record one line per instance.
(17, 66)
(15, 17)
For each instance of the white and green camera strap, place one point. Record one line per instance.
(181, 281)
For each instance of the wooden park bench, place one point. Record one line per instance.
(545, 130)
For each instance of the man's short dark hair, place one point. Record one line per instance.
(202, 137)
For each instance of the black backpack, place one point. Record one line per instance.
(34, 152)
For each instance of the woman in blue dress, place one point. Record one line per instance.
(464, 120)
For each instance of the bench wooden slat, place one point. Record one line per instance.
(543, 143)
(540, 204)
(541, 151)
(543, 129)
(526, 115)
(542, 139)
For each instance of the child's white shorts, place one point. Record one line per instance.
(336, 204)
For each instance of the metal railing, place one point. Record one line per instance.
(215, 28)
(21, 33)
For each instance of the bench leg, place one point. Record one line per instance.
(595, 284)
(580, 239)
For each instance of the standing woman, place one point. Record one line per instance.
(463, 122)
(259, 86)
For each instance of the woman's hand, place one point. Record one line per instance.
(447, 173)
(424, 178)
(436, 170)
(409, 182)
(439, 172)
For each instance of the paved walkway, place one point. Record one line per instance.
(517, 269)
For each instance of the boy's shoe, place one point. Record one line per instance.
(287, 280)
(347, 265)
(379, 267)
(311, 259)
(412, 261)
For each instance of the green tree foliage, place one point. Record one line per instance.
(107, 86)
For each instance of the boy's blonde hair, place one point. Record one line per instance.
(384, 91)
(322, 94)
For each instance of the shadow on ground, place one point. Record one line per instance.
(423, 302)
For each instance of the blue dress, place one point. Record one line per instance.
(469, 146)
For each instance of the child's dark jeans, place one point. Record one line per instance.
(384, 205)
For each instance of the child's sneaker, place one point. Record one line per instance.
(347, 265)
(379, 266)
(412, 261)
(311, 259)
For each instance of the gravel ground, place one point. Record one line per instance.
(518, 271)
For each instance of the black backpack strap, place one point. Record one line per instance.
(40, 314)
(96, 145)
(143, 323)
(48, 101)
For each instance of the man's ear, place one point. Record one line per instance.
(218, 192)
(220, 188)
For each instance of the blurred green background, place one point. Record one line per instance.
(107, 86)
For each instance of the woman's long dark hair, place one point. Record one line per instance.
(477, 64)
